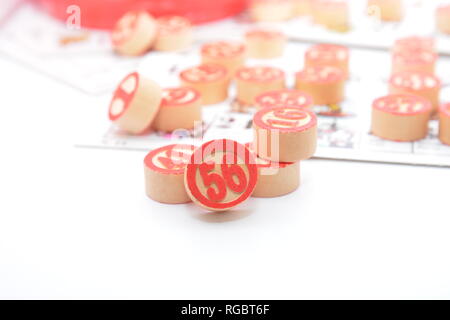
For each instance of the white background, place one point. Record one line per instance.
(75, 223)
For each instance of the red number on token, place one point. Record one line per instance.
(234, 170)
(290, 114)
(213, 178)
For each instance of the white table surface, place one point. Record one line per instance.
(75, 223)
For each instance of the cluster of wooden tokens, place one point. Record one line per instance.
(413, 98)
(334, 14)
(221, 174)
(137, 32)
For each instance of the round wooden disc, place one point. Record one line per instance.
(221, 174)
(164, 173)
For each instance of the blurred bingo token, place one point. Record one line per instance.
(414, 43)
(443, 18)
(180, 109)
(164, 173)
(328, 55)
(285, 134)
(134, 33)
(135, 103)
(275, 178)
(422, 84)
(265, 43)
(401, 117)
(284, 98)
(444, 123)
(252, 81)
(332, 14)
(211, 80)
(324, 83)
(221, 174)
(174, 33)
(419, 60)
(229, 54)
(272, 10)
(386, 10)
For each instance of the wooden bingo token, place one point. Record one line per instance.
(211, 80)
(180, 109)
(328, 55)
(443, 18)
(285, 134)
(229, 54)
(265, 44)
(332, 14)
(272, 10)
(414, 43)
(444, 123)
(387, 10)
(252, 81)
(284, 98)
(324, 83)
(401, 117)
(164, 173)
(135, 103)
(419, 60)
(418, 83)
(174, 33)
(220, 175)
(134, 33)
(303, 7)
(275, 179)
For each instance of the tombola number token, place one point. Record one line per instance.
(180, 109)
(211, 80)
(135, 103)
(285, 134)
(444, 123)
(252, 81)
(419, 83)
(221, 174)
(174, 33)
(284, 98)
(164, 173)
(134, 33)
(401, 117)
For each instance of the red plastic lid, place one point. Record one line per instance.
(101, 14)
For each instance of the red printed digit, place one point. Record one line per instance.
(234, 170)
(213, 178)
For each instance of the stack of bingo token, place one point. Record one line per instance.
(283, 136)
